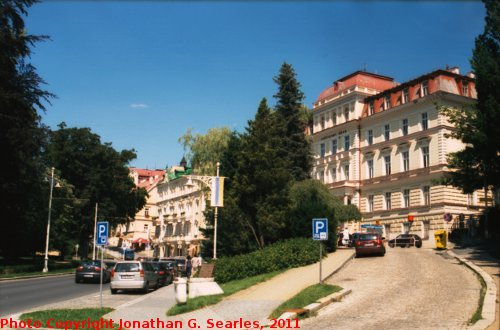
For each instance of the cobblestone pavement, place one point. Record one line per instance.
(409, 288)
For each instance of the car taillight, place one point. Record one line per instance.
(161, 272)
(358, 243)
(142, 272)
(97, 269)
(79, 268)
(379, 241)
(112, 273)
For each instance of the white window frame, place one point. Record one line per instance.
(370, 169)
(387, 132)
(370, 203)
(426, 196)
(387, 165)
(426, 156)
(387, 102)
(347, 142)
(346, 172)
(371, 108)
(406, 95)
(405, 162)
(388, 200)
(322, 150)
(406, 198)
(404, 127)
(334, 146)
(346, 113)
(425, 88)
(370, 137)
(424, 121)
(333, 174)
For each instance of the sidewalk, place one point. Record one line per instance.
(253, 304)
(481, 258)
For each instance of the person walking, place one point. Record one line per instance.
(196, 264)
(189, 266)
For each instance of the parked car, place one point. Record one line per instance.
(134, 275)
(171, 266)
(91, 271)
(165, 275)
(406, 240)
(180, 263)
(369, 244)
(110, 264)
(352, 239)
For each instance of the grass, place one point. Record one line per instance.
(305, 297)
(477, 314)
(95, 314)
(229, 288)
(28, 274)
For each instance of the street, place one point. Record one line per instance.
(19, 295)
(408, 288)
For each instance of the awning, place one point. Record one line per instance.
(141, 240)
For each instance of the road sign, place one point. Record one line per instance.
(102, 233)
(320, 229)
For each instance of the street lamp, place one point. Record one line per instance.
(46, 266)
(214, 184)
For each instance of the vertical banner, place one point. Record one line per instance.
(217, 199)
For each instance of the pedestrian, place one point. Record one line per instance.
(196, 264)
(189, 266)
(345, 237)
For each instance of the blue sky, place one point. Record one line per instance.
(140, 74)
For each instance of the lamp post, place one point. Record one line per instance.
(213, 183)
(46, 264)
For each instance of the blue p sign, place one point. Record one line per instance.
(102, 233)
(320, 229)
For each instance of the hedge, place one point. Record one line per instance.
(282, 255)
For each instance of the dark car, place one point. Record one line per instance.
(165, 275)
(91, 271)
(180, 264)
(369, 244)
(171, 266)
(352, 239)
(406, 240)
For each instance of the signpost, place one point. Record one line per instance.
(320, 233)
(102, 229)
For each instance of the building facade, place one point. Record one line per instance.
(382, 146)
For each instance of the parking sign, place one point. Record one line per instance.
(320, 229)
(102, 233)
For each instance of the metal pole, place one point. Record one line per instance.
(95, 228)
(320, 262)
(46, 264)
(102, 258)
(215, 220)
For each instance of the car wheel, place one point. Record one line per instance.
(419, 246)
(77, 280)
(408, 245)
(114, 291)
(157, 285)
(391, 245)
(146, 288)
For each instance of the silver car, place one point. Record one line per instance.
(133, 275)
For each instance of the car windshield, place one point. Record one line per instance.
(127, 267)
(367, 237)
(91, 263)
(168, 264)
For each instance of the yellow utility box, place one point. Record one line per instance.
(441, 237)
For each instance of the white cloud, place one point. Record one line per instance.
(139, 105)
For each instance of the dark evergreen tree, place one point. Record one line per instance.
(295, 148)
(22, 189)
(477, 166)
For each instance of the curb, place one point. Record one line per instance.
(489, 305)
(314, 307)
(353, 254)
(34, 276)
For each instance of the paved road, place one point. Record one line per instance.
(409, 288)
(19, 295)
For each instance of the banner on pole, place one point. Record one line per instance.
(217, 199)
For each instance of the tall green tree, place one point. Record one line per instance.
(296, 147)
(98, 174)
(22, 135)
(205, 150)
(478, 164)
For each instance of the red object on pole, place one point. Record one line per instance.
(410, 218)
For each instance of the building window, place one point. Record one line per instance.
(334, 146)
(465, 89)
(387, 162)
(369, 163)
(146, 213)
(370, 203)
(334, 117)
(346, 142)
(370, 137)
(425, 88)
(371, 108)
(388, 202)
(322, 150)
(322, 122)
(406, 160)
(426, 192)
(406, 198)
(346, 113)
(333, 173)
(145, 228)
(346, 171)
(321, 175)
(387, 132)
(425, 121)
(405, 126)
(406, 95)
(425, 156)
(387, 102)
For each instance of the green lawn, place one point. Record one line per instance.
(63, 315)
(229, 288)
(305, 297)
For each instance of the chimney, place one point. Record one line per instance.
(471, 74)
(454, 70)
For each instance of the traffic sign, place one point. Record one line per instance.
(320, 229)
(102, 233)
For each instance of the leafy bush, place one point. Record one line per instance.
(282, 255)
